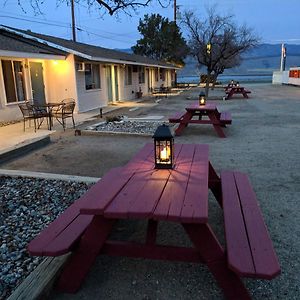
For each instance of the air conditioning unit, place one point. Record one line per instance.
(80, 67)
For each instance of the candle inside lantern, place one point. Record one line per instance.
(164, 154)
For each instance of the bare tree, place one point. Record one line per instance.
(111, 7)
(217, 42)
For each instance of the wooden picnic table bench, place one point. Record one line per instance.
(161, 90)
(196, 113)
(139, 191)
(236, 90)
(249, 248)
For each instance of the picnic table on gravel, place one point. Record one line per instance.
(230, 91)
(139, 191)
(196, 114)
(161, 91)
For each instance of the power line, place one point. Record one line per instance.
(31, 21)
(69, 26)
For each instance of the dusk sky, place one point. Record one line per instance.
(275, 21)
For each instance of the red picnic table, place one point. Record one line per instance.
(230, 91)
(139, 191)
(202, 114)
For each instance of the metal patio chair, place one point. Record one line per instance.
(64, 111)
(32, 112)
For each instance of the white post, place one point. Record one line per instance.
(283, 57)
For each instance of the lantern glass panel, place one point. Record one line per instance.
(202, 99)
(163, 152)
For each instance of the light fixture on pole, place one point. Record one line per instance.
(208, 48)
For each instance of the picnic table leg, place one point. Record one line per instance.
(245, 95)
(229, 95)
(183, 123)
(216, 123)
(85, 254)
(214, 256)
(214, 183)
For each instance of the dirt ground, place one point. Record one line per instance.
(263, 141)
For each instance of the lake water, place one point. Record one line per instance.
(227, 78)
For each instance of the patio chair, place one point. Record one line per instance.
(64, 111)
(32, 112)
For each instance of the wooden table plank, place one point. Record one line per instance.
(145, 202)
(123, 200)
(109, 186)
(181, 173)
(195, 206)
(196, 106)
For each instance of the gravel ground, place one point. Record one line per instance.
(263, 141)
(26, 206)
(140, 127)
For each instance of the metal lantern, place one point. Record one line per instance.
(163, 148)
(202, 99)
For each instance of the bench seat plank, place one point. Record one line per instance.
(63, 243)
(177, 117)
(70, 215)
(238, 250)
(249, 248)
(264, 257)
(225, 117)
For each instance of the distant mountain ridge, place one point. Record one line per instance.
(264, 59)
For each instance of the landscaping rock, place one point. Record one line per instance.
(27, 206)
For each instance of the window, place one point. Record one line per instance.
(141, 75)
(92, 76)
(13, 81)
(128, 75)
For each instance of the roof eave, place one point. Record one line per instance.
(28, 36)
(129, 62)
(83, 55)
(7, 53)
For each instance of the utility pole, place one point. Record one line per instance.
(175, 11)
(73, 21)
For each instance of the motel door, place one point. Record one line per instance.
(37, 83)
(116, 84)
(109, 84)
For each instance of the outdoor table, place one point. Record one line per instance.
(236, 90)
(49, 107)
(209, 110)
(138, 191)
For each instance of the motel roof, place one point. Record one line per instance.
(85, 51)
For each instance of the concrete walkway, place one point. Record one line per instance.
(13, 136)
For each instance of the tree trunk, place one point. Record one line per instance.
(207, 84)
(215, 76)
